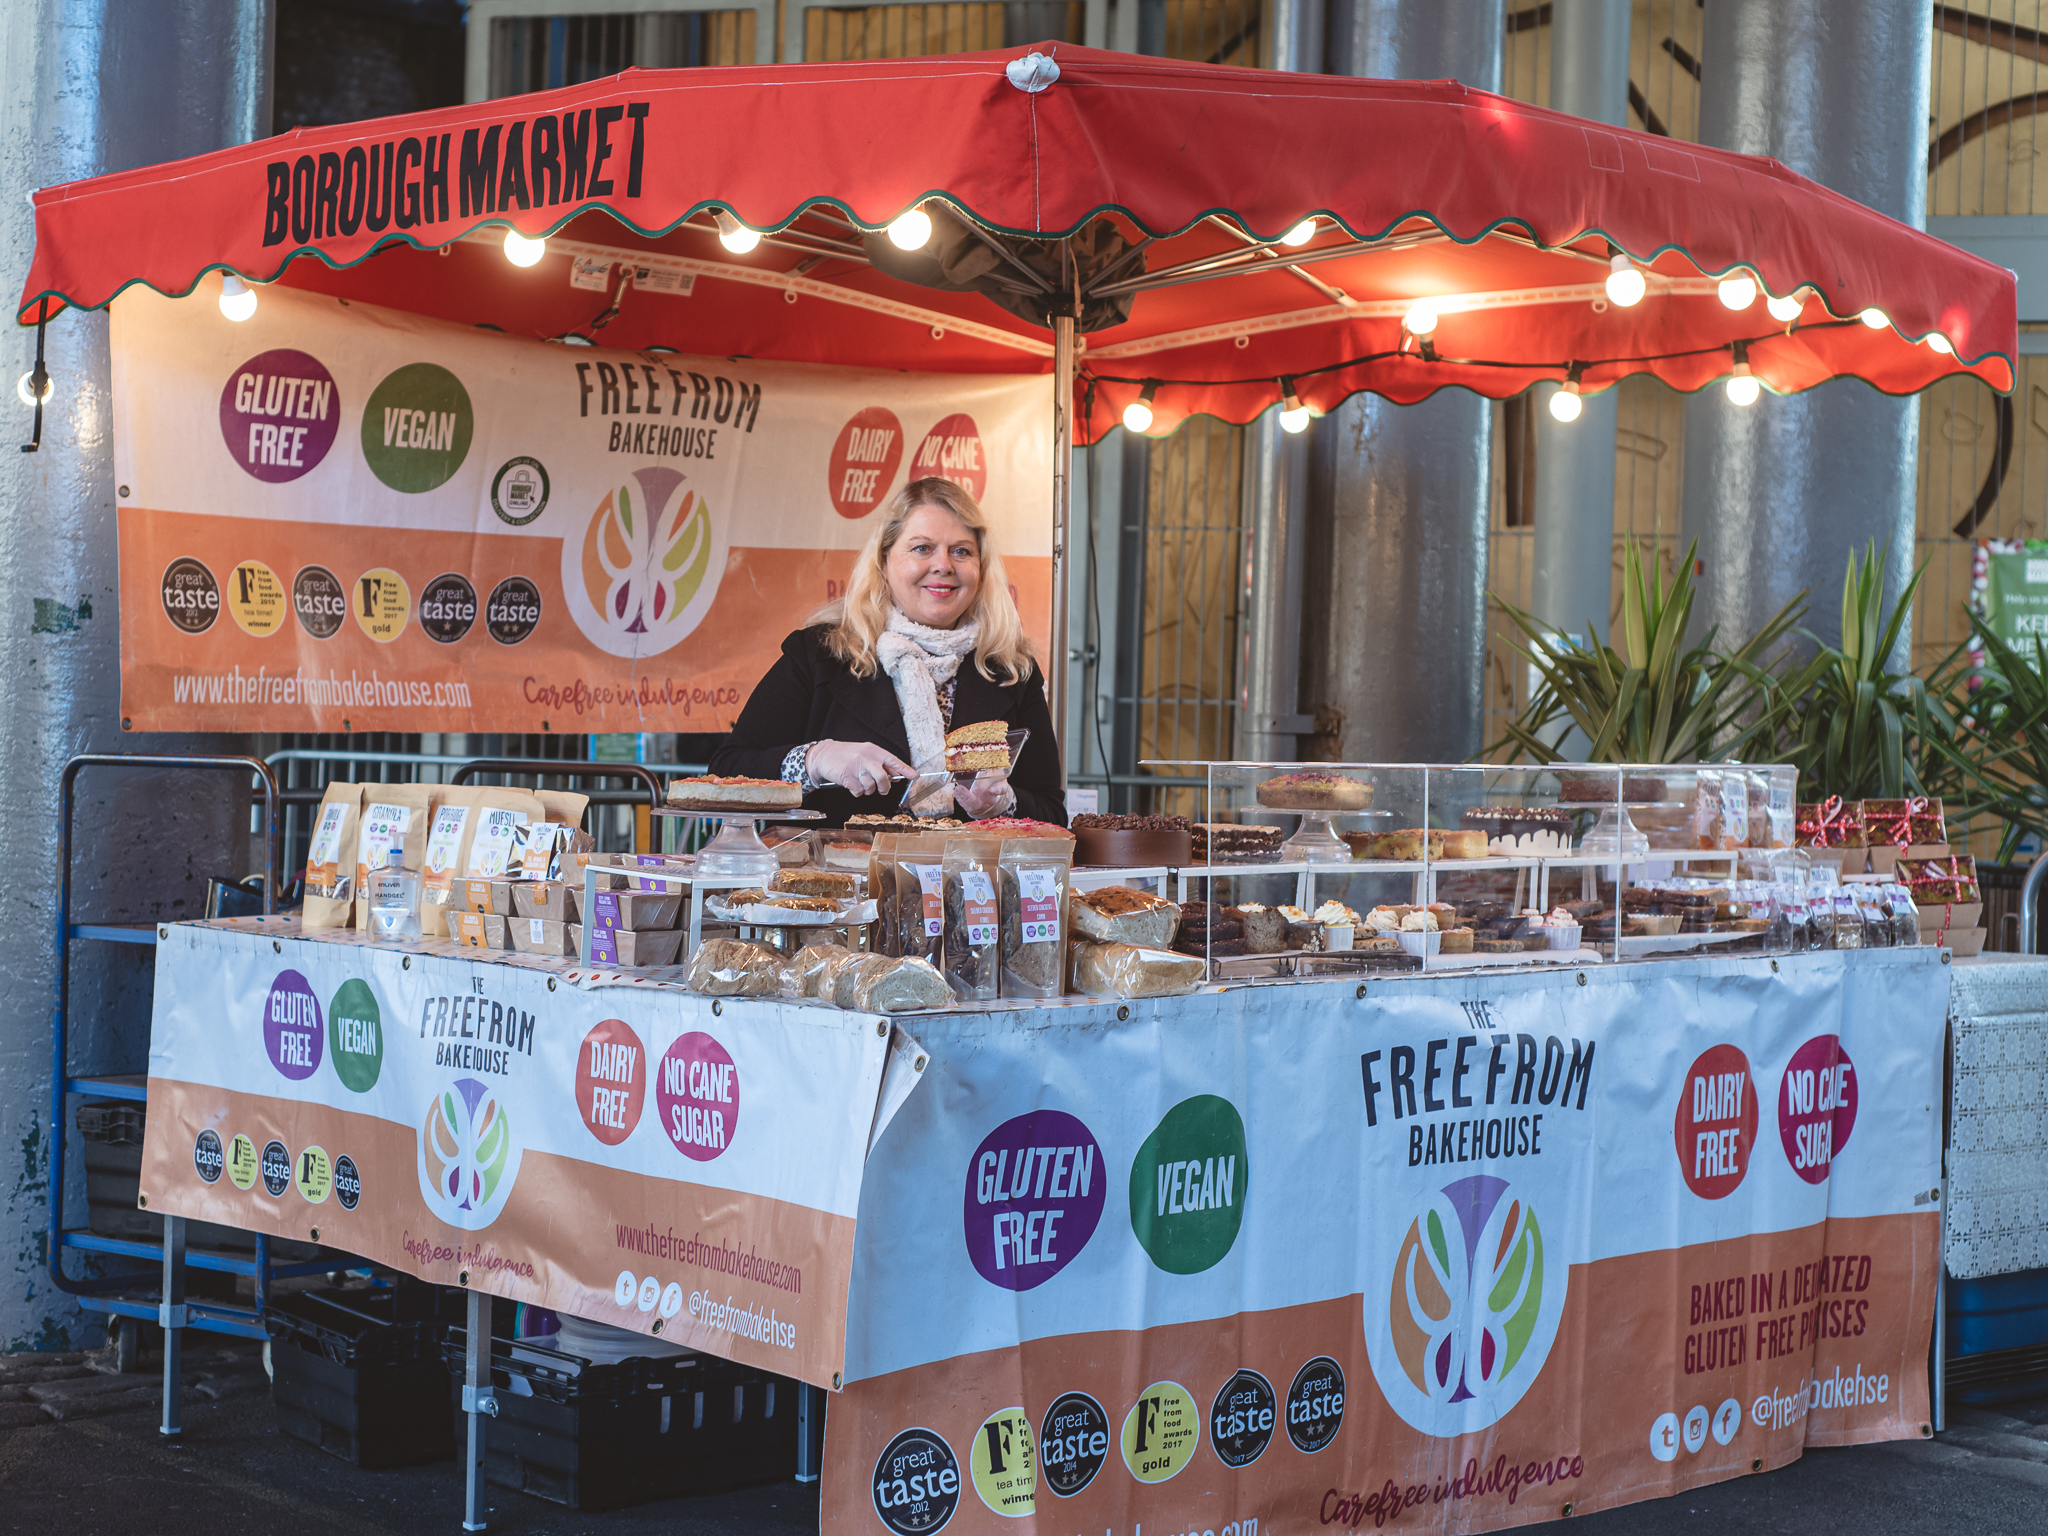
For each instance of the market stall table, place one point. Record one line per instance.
(1485, 1246)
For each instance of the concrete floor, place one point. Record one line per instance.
(80, 1453)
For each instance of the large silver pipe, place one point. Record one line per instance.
(94, 86)
(1571, 588)
(1778, 493)
(1394, 638)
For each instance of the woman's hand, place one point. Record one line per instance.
(859, 766)
(989, 794)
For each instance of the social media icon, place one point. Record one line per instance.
(1696, 1428)
(1664, 1437)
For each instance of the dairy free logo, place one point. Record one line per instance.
(1188, 1185)
(1472, 1308)
(1034, 1196)
(1715, 1129)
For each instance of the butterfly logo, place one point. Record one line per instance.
(648, 564)
(468, 1158)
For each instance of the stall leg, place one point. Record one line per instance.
(810, 1432)
(171, 1315)
(477, 1402)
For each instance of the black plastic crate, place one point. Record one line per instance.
(607, 1436)
(110, 1135)
(359, 1374)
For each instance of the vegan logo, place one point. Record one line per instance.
(1034, 1196)
(917, 1483)
(519, 491)
(355, 1034)
(291, 1026)
(647, 567)
(278, 415)
(1473, 1301)
(1188, 1185)
(416, 428)
(468, 1158)
(864, 460)
(1817, 1106)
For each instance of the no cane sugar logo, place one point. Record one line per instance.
(1473, 1300)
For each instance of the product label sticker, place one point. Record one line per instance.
(384, 828)
(604, 910)
(978, 896)
(326, 847)
(931, 880)
(1734, 810)
(492, 847)
(1038, 908)
(537, 930)
(604, 942)
(444, 841)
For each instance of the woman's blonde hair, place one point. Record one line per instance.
(1001, 651)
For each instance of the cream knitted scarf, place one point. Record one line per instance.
(919, 660)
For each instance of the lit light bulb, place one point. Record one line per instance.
(1625, 284)
(1301, 234)
(911, 230)
(25, 387)
(1565, 405)
(1787, 309)
(522, 252)
(734, 235)
(237, 298)
(1737, 292)
(1936, 342)
(1874, 318)
(1138, 414)
(1293, 414)
(1420, 320)
(1743, 388)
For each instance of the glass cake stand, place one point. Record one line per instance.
(1315, 842)
(736, 852)
(1613, 834)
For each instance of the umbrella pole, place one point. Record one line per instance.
(1062, 514)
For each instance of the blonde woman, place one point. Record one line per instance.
(927, 639)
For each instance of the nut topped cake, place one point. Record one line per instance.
(1315, 792)
(719, 792)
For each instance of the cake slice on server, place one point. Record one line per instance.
(974, 747)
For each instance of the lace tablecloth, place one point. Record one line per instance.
(1998, 1117)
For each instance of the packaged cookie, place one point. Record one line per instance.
(394, 816)
(973, 916)
(887, 937)
(1034, 872)
(920, 894)
(449, 833)
(331, 860)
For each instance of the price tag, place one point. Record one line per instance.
(978, 896)
(931, 880)
(1038, 909)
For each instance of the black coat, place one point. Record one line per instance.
(811, 695)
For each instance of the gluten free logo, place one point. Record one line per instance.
(417, 427)
(1188, 1185)
(278, 415)
(1034, 1195)
(291, 1026)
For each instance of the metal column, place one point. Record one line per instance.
(1269, 722)
(1780, 492)
(478, 1404)
(171, 1317)
(1394, 632)
(1574, 543)
(94, 87)
(1062, 514)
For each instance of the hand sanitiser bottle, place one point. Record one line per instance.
(395, 898)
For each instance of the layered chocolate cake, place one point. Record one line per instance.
(1511, 829)
(1231, 842)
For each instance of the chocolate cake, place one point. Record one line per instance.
(1223, 842)
(1511, 829)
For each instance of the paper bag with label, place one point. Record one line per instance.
(449, 833)
(563, 805)
(394, 816)
(499, 815)
(330, 861)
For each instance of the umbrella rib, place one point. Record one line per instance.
(1231, 263)
(1327, 290)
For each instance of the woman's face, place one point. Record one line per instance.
(934, 570)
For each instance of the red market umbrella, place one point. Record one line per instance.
(1458, 237)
